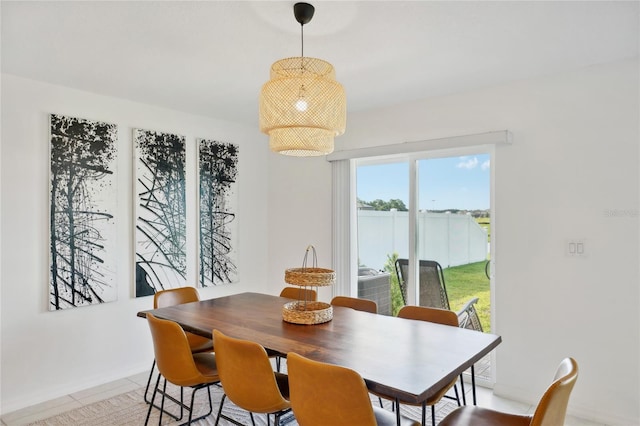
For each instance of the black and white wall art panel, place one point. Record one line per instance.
(82, 203)
(218, 198)
(160, 206)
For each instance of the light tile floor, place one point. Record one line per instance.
(75, 400)
(485, 398)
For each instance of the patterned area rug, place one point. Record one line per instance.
(130, 409)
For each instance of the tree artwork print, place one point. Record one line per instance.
(161, 212)
(218, 170)
(81, 212)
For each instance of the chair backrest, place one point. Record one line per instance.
(175, 296)
(468, 316)
(325, 394)
(552, 408)
(178, 296)
(299, 293)
(173, 354)
(424, 313)
(246, 375)
(365, 305)
(402, 272)
(433, 291)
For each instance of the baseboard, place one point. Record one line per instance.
(581, 411)
(515, 394)
(586, 412)
(15, 404)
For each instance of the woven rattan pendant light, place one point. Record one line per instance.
(302, 106)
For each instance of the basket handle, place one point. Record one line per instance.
(315, 257)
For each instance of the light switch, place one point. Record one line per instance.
(575, 247)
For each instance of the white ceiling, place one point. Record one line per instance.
(211, 57)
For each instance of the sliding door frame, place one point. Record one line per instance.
(344, 164)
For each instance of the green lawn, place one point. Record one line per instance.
(463, 283)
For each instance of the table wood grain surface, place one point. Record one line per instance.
(405, 359)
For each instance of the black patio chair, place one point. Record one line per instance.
(433, 291)
(468, 316)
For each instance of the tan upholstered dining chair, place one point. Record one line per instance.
(439, 316)
(299, 293)
(178, 365)
(248, 379)
(171, 297)
(324, 394)
(365, 305)
(550, 411)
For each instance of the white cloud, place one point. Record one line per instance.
(470, 163)
(486, 165)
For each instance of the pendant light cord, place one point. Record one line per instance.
(302, 39)
(302, 49)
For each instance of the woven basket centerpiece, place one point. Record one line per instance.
(308, 311)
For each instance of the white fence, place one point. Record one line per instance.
(449, 239)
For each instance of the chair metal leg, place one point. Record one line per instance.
(455, 388)
(155, 390)
(457, 397)
(180, 403)
(220, 409)
(193, 395)
(227, 418)
(277, 415)
(164, 394)
(146, 390)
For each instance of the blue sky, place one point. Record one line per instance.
(444, 183)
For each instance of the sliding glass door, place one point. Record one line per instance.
(382, 230)
(429, 207)
(446, 186)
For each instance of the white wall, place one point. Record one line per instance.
(299, 215)
(49, 354)
(572, 172)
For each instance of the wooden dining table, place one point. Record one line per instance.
(403, 359)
